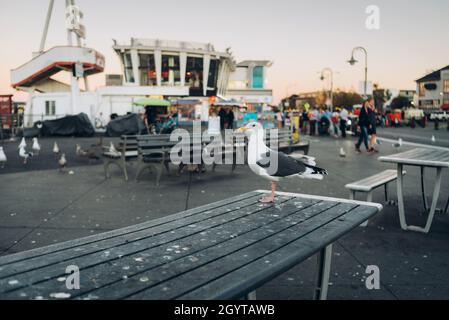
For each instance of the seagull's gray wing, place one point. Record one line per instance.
(286, 166)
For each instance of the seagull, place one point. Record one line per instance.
(433, 139)
(398, 144)
(90, 154)
(3, 158)
(62, 163)
(113, 150)
(25, 155)
(56, 148)
(36, 146)
(342, 153)
(23, 144)
(260, 156)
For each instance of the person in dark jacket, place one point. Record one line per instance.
(372, 117)
(230, 118)
(363, 123)
(222, 115)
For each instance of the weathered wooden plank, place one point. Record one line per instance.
(4, 260)
(258, 272)
(156, 257)
(119, 248)
(229, 263)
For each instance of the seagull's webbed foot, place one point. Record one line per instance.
(267, 199)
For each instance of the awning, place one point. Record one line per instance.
(152, 102)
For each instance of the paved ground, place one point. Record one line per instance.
(418, 135)
(41, 206)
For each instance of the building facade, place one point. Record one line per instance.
(249, 83)
(433, 90)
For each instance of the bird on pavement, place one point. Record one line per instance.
(342, 153)
(23, 144)
(56, 149)
(62, 163)
(113, 150)
(273, 165)
(433, 139)
(25, 155)
(398, 144)
(89, 154)
(3, 158)
(36, 146)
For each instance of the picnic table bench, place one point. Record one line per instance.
(286, 143)
(422, 158)
(223, 250)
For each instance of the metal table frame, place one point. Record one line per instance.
(401, 162)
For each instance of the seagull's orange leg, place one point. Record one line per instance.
(271, 197)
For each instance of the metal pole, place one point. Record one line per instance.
(47, 24)
(69, 32)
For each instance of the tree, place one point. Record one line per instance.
(400, 102)
(346, 99)
(380, 96)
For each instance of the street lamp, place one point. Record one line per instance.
(331, 76)
(353, 61)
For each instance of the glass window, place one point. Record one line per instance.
(213, 74)
(258, 77)
(129, 74)
(147, 70)
(446, 86)
(50, 108)
(194, 72)
(422, 90)
(171, 74)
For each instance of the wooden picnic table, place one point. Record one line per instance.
(223, 250)
(423, 158)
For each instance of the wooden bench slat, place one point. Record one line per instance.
(255, 274)
(264, 244)
(99, 245)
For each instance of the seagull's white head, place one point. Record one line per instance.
(250, 128)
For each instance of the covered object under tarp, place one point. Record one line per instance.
(127, 125)
(69, 126)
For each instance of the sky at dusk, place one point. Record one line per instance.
(300, 37)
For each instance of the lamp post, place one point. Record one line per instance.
(353, 61)
(331, 76)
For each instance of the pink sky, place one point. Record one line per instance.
(301, 37)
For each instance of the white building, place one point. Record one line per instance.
(433, 89)
(249, 83)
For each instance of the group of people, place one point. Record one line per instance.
(158, 124)
(325, 121)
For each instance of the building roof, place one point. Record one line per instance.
(247, 63)
(434, 76)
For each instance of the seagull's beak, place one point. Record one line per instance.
(241, 130)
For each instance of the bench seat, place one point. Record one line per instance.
(373, 182)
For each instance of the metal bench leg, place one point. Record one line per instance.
(125, 170)
(386, 192)
(423, 191)
(447, 207)
(351, 195)
(369, 198)
(251, 296)
(436, 193)
(324, 269)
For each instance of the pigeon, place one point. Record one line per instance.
(25, 155)
(283, 166)
(398, 144)
(90, 154)
(433, 139)
(56, 148)
(3, 158)
(23, 144)
(342, 153)
(36, 146)
(62, 162)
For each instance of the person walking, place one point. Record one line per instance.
(372, 125)
(230, 118)
(305, 121)
(363, 124)
(335, 120)
(343, 122)
(313, 117)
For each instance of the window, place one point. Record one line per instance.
(446, 86)
(422, 90)
(194, 72)
(50, 108)
(129, 74)
(258, 78)
(170, 70)
(147, 70)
